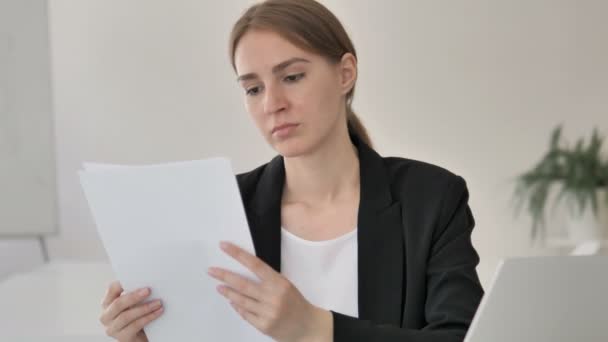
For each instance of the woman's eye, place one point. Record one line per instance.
(294, 78)
(252, 91)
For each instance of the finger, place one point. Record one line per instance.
(128, 316)
(253, 263)
(238, 282)
(250, 317)
(114, 290)
(126, 301)
(245, 302)
(136, 326)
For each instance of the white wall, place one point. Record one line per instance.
(474, 86)
(27, 177)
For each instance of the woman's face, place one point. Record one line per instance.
(296, 98)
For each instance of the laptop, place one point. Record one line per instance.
(545, 299)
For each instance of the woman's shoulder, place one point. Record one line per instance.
(410, 176)
(403, 166)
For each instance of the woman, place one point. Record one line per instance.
(350, 246)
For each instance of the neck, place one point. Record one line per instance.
(328, 173)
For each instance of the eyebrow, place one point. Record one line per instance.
(275, 69)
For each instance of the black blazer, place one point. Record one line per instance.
(416, 263)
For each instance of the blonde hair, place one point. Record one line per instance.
(308, 25)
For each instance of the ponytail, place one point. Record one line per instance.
(356, 127)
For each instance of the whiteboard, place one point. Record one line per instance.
(28, 190)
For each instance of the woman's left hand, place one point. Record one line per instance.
(274, 305)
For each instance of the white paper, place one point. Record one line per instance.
(161, 226)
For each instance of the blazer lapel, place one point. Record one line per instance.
(380, 236)
(265, 223)
(380, 243)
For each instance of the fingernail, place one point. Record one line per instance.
(143, 292)
(224, 244)
(156, 304)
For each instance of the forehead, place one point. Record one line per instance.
(258, 51)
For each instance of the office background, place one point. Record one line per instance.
(474, 86)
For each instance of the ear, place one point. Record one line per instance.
(348, 72)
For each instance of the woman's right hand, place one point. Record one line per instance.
(125, 316)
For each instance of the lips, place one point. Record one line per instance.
(283, 126)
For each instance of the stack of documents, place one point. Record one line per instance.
(161, 226)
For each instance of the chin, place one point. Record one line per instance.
(293, 147)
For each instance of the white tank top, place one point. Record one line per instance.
(325, 272)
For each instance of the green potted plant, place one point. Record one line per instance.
(582, 174)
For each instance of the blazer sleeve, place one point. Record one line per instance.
(453, 287)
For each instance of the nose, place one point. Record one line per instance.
(274, 100)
